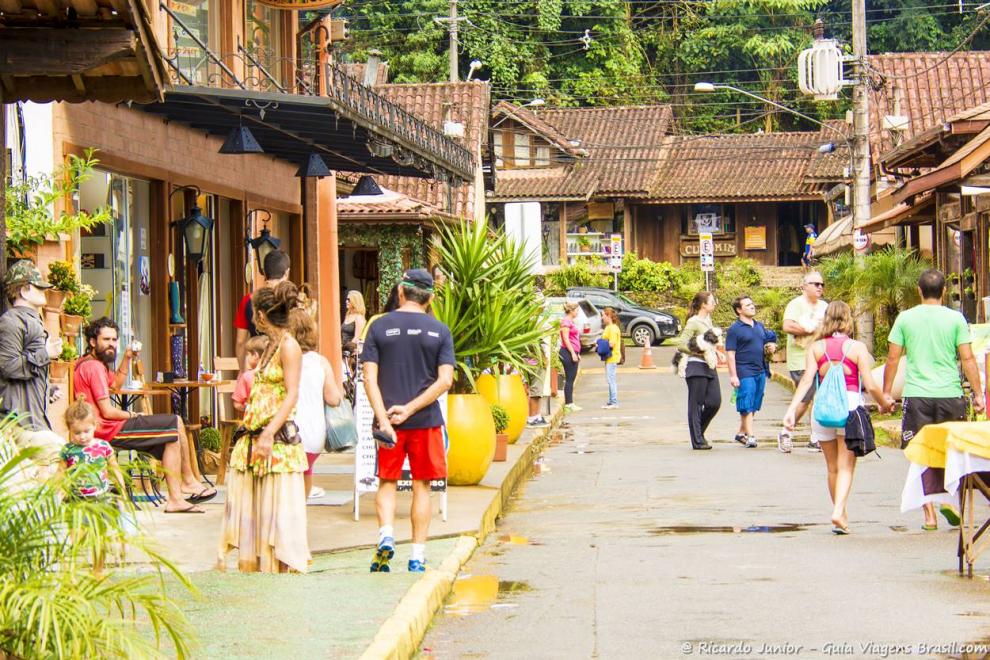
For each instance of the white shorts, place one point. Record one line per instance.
(821, 433)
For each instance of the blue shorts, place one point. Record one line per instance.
(749, 397)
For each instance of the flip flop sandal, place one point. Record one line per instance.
(930, 528)
(191, 509)
(199, 497)
(951, 515)
(840, 531)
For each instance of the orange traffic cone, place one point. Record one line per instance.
(646, 361)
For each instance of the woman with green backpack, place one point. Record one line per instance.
(839, 409)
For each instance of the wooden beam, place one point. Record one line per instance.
(108, 89)
(77, 82)
(55, 51)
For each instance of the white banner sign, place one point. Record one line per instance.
(707, 252)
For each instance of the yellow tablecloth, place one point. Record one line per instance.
(928, 447)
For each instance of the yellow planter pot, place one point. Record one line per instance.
(472, 439)
(508, 392)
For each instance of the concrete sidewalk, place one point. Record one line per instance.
(338, 609)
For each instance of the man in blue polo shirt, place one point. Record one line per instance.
(746, 345)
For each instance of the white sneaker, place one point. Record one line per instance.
(609, 406)
(784, 441)
(316, 493)
(751, 441)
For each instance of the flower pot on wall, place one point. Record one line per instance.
(71, 324)
(54, 298)
(58, 370)
(508, 392)
(471, 430)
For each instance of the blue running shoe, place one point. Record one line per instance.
(384, 552)
(417, 566)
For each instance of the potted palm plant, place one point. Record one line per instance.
(490, 306)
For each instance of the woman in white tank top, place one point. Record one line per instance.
(316, 389)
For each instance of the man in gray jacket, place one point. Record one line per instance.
(26, 350)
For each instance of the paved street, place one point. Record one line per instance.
(627, 544)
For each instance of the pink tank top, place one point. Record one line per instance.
(833, 351)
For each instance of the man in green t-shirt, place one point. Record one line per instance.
(932, 336)
(802, 316)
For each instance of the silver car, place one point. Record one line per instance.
(588, 321)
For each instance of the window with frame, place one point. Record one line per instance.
(709, 219)
(520, 151)
(201, 17)
(264, 40)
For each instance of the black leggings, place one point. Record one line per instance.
(570, 374)
(704, 400)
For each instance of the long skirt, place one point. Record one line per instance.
(265, 519)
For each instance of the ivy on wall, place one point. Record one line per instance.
(392, 242)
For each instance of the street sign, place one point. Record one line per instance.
(706, 250)
(861, 240)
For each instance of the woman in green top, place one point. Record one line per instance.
(704, 394)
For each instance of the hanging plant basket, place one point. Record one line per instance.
(71, 324)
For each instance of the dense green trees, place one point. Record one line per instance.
(610, 52)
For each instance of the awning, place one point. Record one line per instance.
(60, 50)
(904, 214)
(960, 164)
(342, 128)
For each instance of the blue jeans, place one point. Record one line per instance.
(613, 387)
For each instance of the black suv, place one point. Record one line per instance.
(645, 326)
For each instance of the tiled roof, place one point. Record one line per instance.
(470, 105)
(930, 90)
(830, 167)
(622, 147)
(390, 203)
(748, 167)
(535, 123)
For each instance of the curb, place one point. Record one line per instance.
(401, 634)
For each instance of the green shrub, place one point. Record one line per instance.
(648, 276)
(581, 273)
(209, 439)
(501, 417)
(770, 305)
(739, 272)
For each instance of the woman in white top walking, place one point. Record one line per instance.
(316, 389)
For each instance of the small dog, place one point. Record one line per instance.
(700, 346)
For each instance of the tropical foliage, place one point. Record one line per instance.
(489, 302)
(612, 52)
(53, 604)
(29, 205)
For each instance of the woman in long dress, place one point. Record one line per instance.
(265, 513)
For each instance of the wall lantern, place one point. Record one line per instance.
(195, 228)
(264, 243)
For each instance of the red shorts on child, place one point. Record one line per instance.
(424, 447)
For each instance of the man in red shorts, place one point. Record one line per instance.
(408, 361)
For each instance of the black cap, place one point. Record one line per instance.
(418, 278)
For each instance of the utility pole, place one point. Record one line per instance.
(452, 20)
(453, 41)
(861, 144)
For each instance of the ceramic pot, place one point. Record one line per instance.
(501, 448)
(71, 324)
(471, 430)
(554, 385)
(58, 370)
(508, 392)
(55, 298)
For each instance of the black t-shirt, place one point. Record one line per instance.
(409, 348)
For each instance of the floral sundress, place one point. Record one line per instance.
(96, 481)
(266, 397)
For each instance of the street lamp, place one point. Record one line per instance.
(535, 103)
(708, 88)
(195, 228)
(264, 243)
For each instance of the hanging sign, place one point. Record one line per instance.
(706, 250)
(300, 5)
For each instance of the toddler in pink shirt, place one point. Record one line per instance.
(254, 350)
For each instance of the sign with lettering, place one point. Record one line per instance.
(861, 240)
(706, 250)
(755, 238)
(724, 248)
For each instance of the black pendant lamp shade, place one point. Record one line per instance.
(366, 186)
(314, 166)
(240, 140)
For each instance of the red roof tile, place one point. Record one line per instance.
(930, 90)
(469, 104)
(752, 167)
(622, 147)
(389, 205)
